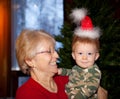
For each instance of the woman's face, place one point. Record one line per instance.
(45, 59)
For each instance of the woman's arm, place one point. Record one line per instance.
(102, 93)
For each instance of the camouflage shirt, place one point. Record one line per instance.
(83, 83)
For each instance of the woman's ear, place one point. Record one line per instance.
(29, 62)
(73, 55)
(97, 56)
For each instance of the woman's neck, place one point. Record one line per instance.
(45, 80)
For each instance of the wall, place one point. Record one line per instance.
(4, 47)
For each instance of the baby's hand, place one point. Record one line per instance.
(59, 71)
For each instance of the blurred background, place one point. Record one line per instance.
(53, 16)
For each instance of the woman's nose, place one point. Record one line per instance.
(56, 54)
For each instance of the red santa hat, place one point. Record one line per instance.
(85, 28)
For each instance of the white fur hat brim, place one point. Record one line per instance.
(93, 33)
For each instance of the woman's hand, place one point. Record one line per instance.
(102, 93)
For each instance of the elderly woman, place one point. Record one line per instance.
(36, 55)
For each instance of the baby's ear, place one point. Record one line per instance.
(97, 56)
(73, 55)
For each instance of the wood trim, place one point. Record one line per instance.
(5, 47)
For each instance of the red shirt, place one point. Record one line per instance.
(32, 90)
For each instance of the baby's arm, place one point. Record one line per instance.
(64, 71)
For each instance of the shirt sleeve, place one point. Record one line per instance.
(65, 71)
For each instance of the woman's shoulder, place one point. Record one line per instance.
(22, 89)
(25, 85)
(26, 88)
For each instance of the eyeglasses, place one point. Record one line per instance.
(49, 52)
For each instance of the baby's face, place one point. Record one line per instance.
(85, 54)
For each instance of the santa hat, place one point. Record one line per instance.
(85, 27)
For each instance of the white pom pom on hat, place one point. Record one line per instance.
(78, 14)
(85, 28)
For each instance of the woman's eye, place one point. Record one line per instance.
(48, 51)
(45, 52)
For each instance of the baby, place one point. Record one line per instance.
(84, 77)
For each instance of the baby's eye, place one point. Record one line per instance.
(90, 53)
(80, 53)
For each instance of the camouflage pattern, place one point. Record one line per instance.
(83, 83)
